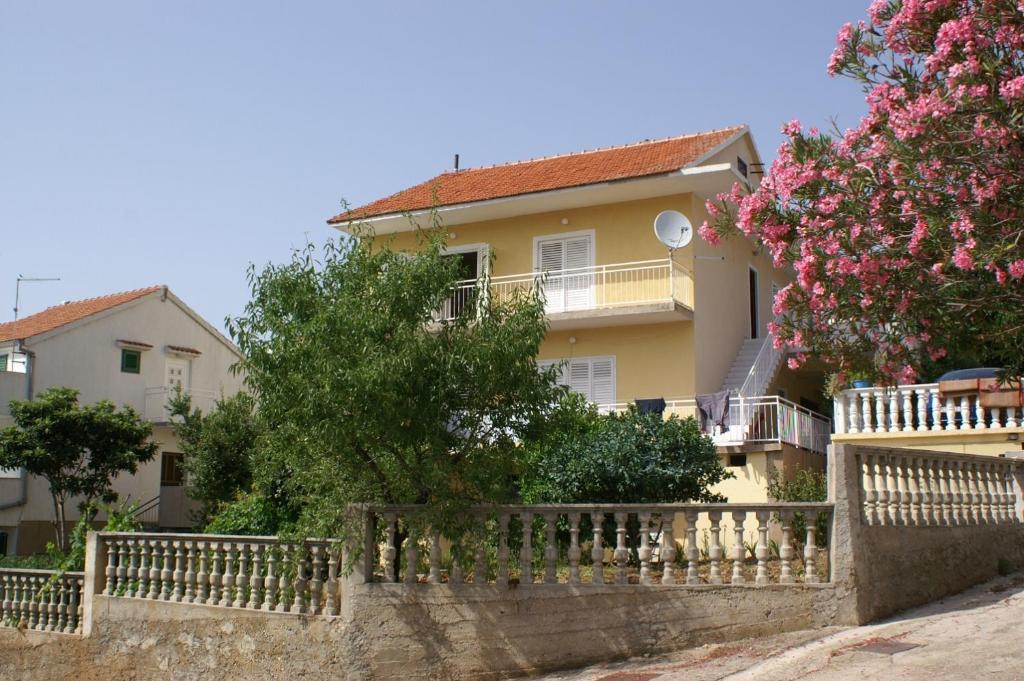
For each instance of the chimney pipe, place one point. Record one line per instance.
(456, 163)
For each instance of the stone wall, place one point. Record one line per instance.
(388, 631)
(890, 567)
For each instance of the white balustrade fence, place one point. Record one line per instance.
(910, 488)
(636, 544)
(41, 600)
(257, 573)
(917, 408)
(582, 288)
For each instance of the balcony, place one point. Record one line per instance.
(758, 421)
(644, 292)
(157, 399)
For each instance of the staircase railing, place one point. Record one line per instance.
(762, 371)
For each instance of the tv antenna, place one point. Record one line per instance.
(673, 229)
(17, 289)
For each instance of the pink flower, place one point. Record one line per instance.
(707, 233)
(1016, 269)
(1012, 89)
(791, 129)
(962, 258)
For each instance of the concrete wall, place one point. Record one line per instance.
(391, 632)
(891, 568)
(993, 442)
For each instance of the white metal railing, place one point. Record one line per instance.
(158, 397)
(763, 419)
(917, 408)
(581, 288)
(763, 370)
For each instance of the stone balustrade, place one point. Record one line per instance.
(917, 408)
(924, 488)
(256, 573)
(41, 600)
(643, 545)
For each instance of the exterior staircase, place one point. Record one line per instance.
(751, 374)
(742, 365)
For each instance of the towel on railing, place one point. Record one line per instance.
(651, 406)
(714, 410)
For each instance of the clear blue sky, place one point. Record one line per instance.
(175, 142)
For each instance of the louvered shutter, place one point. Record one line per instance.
(579, 283)
(548, 363)
(551, 258)
(579, 377)
(602, 372)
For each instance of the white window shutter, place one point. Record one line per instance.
(551, 258)
(579, 281)
(603, 380)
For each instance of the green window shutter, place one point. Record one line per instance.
(131, 361)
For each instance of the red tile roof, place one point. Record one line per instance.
(184, 350)
(548, 173)
(59, 315)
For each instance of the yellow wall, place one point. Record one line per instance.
(651, 361)
(992, 442)
(623, 232)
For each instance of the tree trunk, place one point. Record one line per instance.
(59, 524)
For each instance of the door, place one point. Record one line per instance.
(753, 303)
(177, 375)
(568, 263)
(464, 295)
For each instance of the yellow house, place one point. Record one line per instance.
(630, 319)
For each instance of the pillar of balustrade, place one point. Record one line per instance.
(122, 567)
(228, 577)
(692, 551)
(621, 554)
(667, 551)
(574, 548)
(412, 555)
(550, 548)
(894, 410)
(597, 550)
(738, 549)
(876, 423)
(503, 553)
(300, 584)
(786, 551)
(715, 548)
(390, 552)
(644, 552)
(270, 582)
(256, 578)
(526, 550)
(923, 396)
(908, 409)
(761, 552)
(950, 413)
(853, 412)
(166, 572)
(867, 471)
(434, 558)
(155, 562)
(882, 488)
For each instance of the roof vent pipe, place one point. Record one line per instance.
(456, 163)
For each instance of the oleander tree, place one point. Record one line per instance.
(906, 231)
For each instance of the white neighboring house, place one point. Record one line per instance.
(132, 348)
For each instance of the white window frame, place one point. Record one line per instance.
(564, 369)
(483, 250)
(589, 233)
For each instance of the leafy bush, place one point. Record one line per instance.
(251, 514)
(807, 485)
(624, 457)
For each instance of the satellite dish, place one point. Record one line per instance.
(673, 229)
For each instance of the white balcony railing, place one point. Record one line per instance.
(758, 420)
(583, 288)
(157, 399)
(917, 408)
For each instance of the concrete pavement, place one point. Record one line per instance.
(973, 635)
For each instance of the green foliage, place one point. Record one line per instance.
(624, 457)
(252, 514)
(218, 448)
(365, 397)
(1004, 567)
(78, 450)
(806, 485)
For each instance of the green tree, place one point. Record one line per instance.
(218, 449)
(627, 457)
(806, 485)
(78, 450)
(367, 397)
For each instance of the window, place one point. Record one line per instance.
(171, 474)
(592, 377)
(754, 323)
(3, 362)
(737, 460)
(131, 361)
(568, 259)
(741, 166)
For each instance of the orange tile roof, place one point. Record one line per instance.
(59, 315)
(651, 157)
